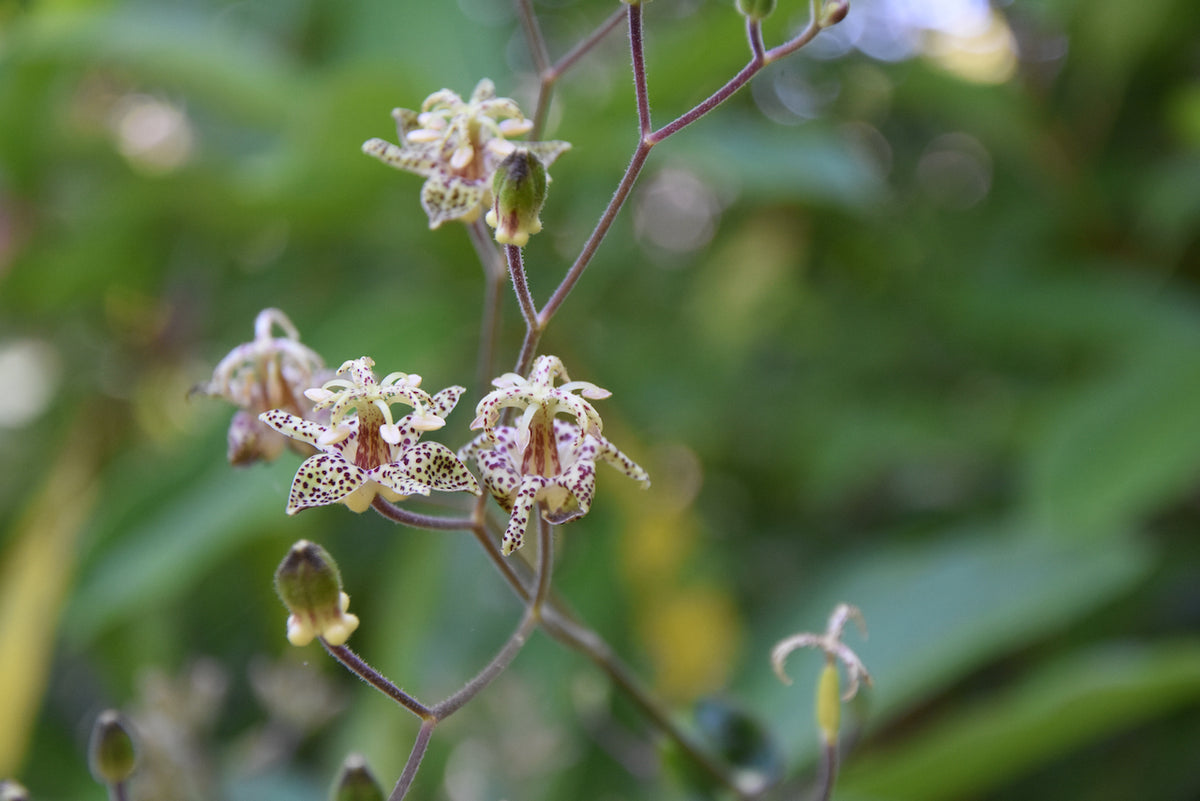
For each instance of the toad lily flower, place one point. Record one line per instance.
(543, 458)
(364, 451)
(457, 147)
(271, 372)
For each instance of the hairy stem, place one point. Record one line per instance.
(829, 769)
(548, 75)
(416, 520)
(420, 746)
(754, 36)
(634, 13)
(516, 271)
(591, 645)
(355, 664)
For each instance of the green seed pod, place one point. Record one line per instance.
(756, 9)
(356, 782)
(829, 703)
(111, 753)
(519, 188)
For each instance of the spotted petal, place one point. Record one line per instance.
(436, 466)
(419, 160)
(514, 534)
(324, 479)
(448, 197)
(396, 478)
(632, 469)
(546, 152)
(406, 120)
(294, 427)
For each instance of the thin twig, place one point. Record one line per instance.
(754, 36)
(589, 249)
(581, 49)
(516, 271)
(800, 40)
(417, 520)
(637, 54)
(829, 770)
(420, 746)
(355, 664)
(548, 75)
(591, 645)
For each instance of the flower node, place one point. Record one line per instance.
(364, 450)
(541, 458)
(457, 146)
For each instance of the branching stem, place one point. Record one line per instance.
(355, 664)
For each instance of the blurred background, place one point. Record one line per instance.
(912, 323)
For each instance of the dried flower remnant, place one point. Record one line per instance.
(271, 372)
(828, 701)
(543, 459)
(457, 146)
(366, 452)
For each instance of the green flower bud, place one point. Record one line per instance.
(829, 703)
(11, 791)
(310, 586)
(111, 753)
(356, 782)
(756, 9)
(833, 12)
(519, 189)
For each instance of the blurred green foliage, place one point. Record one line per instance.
(882, 331)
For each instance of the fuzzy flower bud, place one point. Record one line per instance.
(833, 12)
(310, 586)
(111, 753)
(756, 9)
(519, 189)
(356, 782)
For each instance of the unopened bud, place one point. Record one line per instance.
(356, 782)
(519, 189)
(756, 9)
(12, 791)
(833, 12)
(829, 703)
(111, 753)
(310, 586)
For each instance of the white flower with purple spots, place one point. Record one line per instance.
(271, 372)
(366, 452)
(457, 146)
(543, 459)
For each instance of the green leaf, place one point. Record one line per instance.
(935, 611)
(1121, 448)
(1058, 708)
